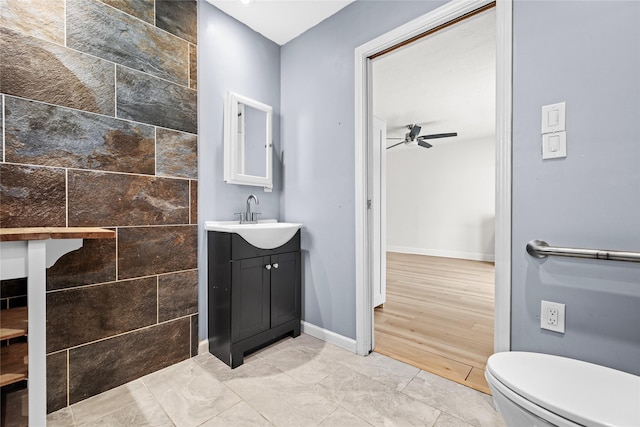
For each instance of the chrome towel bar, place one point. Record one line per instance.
(541, 249)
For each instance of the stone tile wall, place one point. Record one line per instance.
(13, 293)
(98, 108)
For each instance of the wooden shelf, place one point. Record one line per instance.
(44, 233)
(13, 363)
(13, 323)
(13, 358)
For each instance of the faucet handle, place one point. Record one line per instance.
(254, 216)
(241, 216)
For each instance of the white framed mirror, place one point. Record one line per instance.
(248, 141)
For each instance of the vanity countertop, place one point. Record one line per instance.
(264, 234)
(44, 233)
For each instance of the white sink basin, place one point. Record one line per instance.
(266, 234)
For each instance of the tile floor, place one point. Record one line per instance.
(295, 382)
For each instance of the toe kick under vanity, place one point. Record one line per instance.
(254, 283)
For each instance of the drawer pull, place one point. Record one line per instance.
(268, 266)
(275, 265)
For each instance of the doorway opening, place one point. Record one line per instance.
(436, 99)
(368, 254)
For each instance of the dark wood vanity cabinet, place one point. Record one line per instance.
(253, 295)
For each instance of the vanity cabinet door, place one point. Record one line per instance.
(285, 288)
(250, 297)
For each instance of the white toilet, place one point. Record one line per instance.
(533, 389)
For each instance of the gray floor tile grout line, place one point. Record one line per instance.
(409, 382)
(249, 403)
(157, 401)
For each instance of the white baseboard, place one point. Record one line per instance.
(203, 346)
(443, 253)
(329, 336)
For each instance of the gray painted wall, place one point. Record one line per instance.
(233, 57)
(318, 143)
(591, 198)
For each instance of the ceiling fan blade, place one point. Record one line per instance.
(424, 144)
(437, 135)
(395, 137)
(394, 145)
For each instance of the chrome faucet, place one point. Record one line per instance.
(249, 217)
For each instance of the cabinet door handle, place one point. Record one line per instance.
(275, 265)
(268, 266)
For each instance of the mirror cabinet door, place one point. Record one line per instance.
(252, 135)
(247, 142)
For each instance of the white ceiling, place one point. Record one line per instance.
(444, 83)
(281, 20)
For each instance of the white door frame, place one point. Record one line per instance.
(363, 127)
(379, 211)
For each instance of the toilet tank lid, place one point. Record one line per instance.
(582, 392)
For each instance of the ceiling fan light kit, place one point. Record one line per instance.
(414, 130)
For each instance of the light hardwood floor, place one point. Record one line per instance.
(438, 316)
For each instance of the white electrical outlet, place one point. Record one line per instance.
(552, 316)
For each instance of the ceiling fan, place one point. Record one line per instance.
(412, 135)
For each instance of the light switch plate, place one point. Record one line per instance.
(554, 118)
(554, 145)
